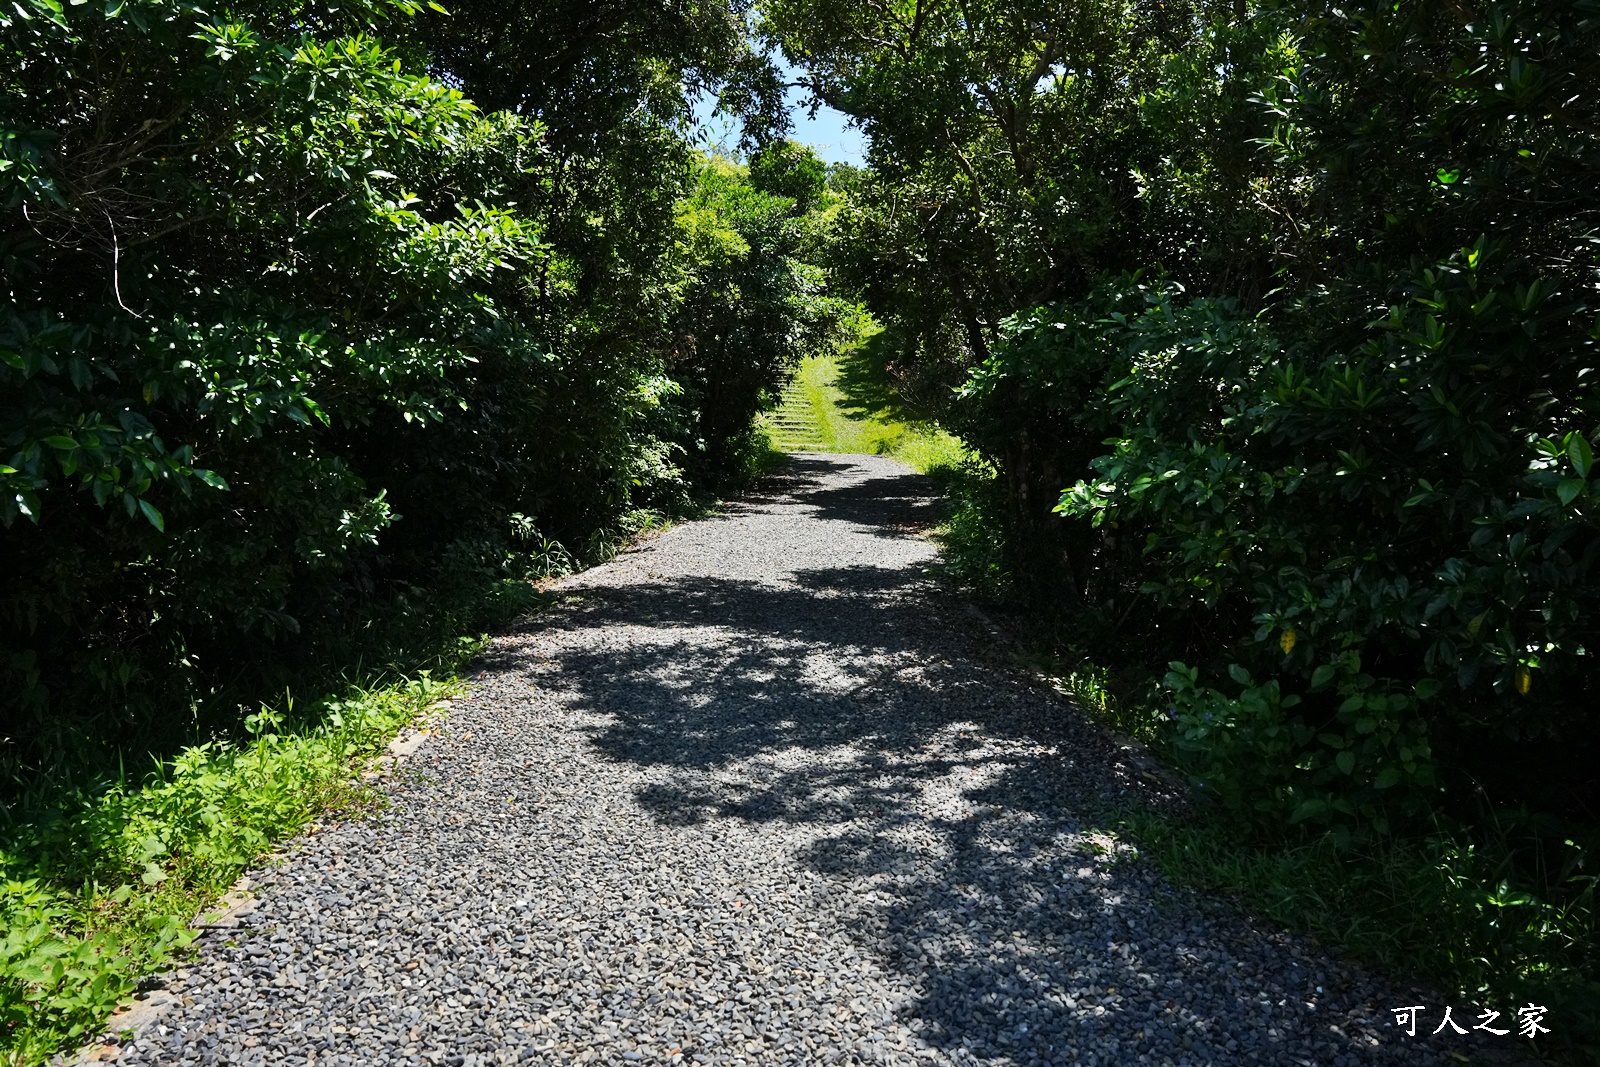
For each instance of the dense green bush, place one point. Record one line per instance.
(1260, 503)
(308, 364)
(294, 331)
(757, 306)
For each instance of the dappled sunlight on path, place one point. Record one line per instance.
(761, 791)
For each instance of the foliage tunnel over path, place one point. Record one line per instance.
(1274, 326)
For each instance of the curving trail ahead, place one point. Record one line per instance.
(757, 793)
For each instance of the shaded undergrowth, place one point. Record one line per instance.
(1475, 905)
(1443, 906)
(100, 887)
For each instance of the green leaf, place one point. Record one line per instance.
(317, 412)
(1307, 809)
(1581, 455)
(1322, 675)
(1386, 778)
(211, 478)
(1346, 761)
(152, 515)
(1570, 489)
(1238, 674)
(61, 442)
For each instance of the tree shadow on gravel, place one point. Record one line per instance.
(895, 506)
(852, 656)
(856, 705)
(798, 474)
(904, 504)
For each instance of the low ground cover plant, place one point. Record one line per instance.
(100, 888)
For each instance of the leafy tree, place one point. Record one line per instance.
(785, 168)
(1364, 487)
(1020, 152)
(756, 306)
(296, 330)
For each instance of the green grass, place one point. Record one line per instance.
(816, 415)
(102, 867)
(99, 889)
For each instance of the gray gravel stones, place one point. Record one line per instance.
(758, 792)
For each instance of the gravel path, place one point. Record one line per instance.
(758, 792)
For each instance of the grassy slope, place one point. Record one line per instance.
(816, 412)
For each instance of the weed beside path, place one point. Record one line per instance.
(102, 893)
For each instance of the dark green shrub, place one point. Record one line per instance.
(319, 342)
